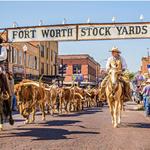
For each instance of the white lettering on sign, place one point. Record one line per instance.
(80, 32)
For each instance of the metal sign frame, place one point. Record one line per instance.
(77, 26)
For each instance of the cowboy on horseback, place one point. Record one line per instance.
(5, 93)
(4, 86)
(116, 58)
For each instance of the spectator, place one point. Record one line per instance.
(11, 83)
(146, 94)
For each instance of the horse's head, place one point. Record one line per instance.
(114, 74)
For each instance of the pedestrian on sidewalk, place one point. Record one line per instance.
(11, 83)
(146, 93)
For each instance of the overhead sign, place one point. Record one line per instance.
(55, 33)
(80, 32)
(113, 31)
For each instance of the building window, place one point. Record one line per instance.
(42, 50)
(14, 55)
(20, 57)
(47, 69)
(36, 63)
(55, 56)
(76, 68)
(28, 60)
(42, 68)
(46, 53)
(51, 70)
(32, 63)
(51, 55)
(91, 71)
(10, 54)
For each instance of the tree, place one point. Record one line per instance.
(131, 75)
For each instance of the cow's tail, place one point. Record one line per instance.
(40, 80)
(78, 94)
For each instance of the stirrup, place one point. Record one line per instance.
(5, 96)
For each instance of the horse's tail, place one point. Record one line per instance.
(6, 108)
(7, 111)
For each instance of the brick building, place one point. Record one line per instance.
(144, 65)
(81, 68)
(32, 59)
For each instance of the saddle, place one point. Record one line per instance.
(4, 87)
(4, 96)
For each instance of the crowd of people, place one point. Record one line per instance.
(142, 91)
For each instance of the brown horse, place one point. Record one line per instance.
(5, 106)
(114, 93)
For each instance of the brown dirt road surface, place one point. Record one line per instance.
(90, 129)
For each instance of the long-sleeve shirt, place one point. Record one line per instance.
(146, 90)
(124, 65)
(3, 53)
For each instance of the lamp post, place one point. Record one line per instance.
(113, 19)
(62, 71)
(25, 58)
(64, 21)
(141, 17)
(55, 65)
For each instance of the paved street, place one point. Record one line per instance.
(87, 130)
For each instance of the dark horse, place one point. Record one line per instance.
(5, 106)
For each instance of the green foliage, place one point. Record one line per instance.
(131, 75)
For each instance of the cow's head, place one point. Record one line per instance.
(25, 109)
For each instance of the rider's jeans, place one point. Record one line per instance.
(147, 106)
(144, 101)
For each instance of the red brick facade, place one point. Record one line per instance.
(145, 62)
(90, 69)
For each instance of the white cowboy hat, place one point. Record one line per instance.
(148, 80)
(115, 49)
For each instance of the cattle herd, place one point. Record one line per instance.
(32, 96)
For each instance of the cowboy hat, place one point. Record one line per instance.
(115, 49)
(148, 80)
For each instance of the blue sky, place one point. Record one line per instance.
(29, 13)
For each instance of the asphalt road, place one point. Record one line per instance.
(87, 130)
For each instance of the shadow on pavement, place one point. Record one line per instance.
(41, 133)
(19, 120)
(59, 122)
(131, 109)
(48, 133)
(137, 125)
(84, 112)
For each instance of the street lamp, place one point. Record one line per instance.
(88, 20)
(55, 64)
(40, 22)
(62, 71)
(15, 24)
(25, 58)
(64, 21)
(141, 17)
(113, 19)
